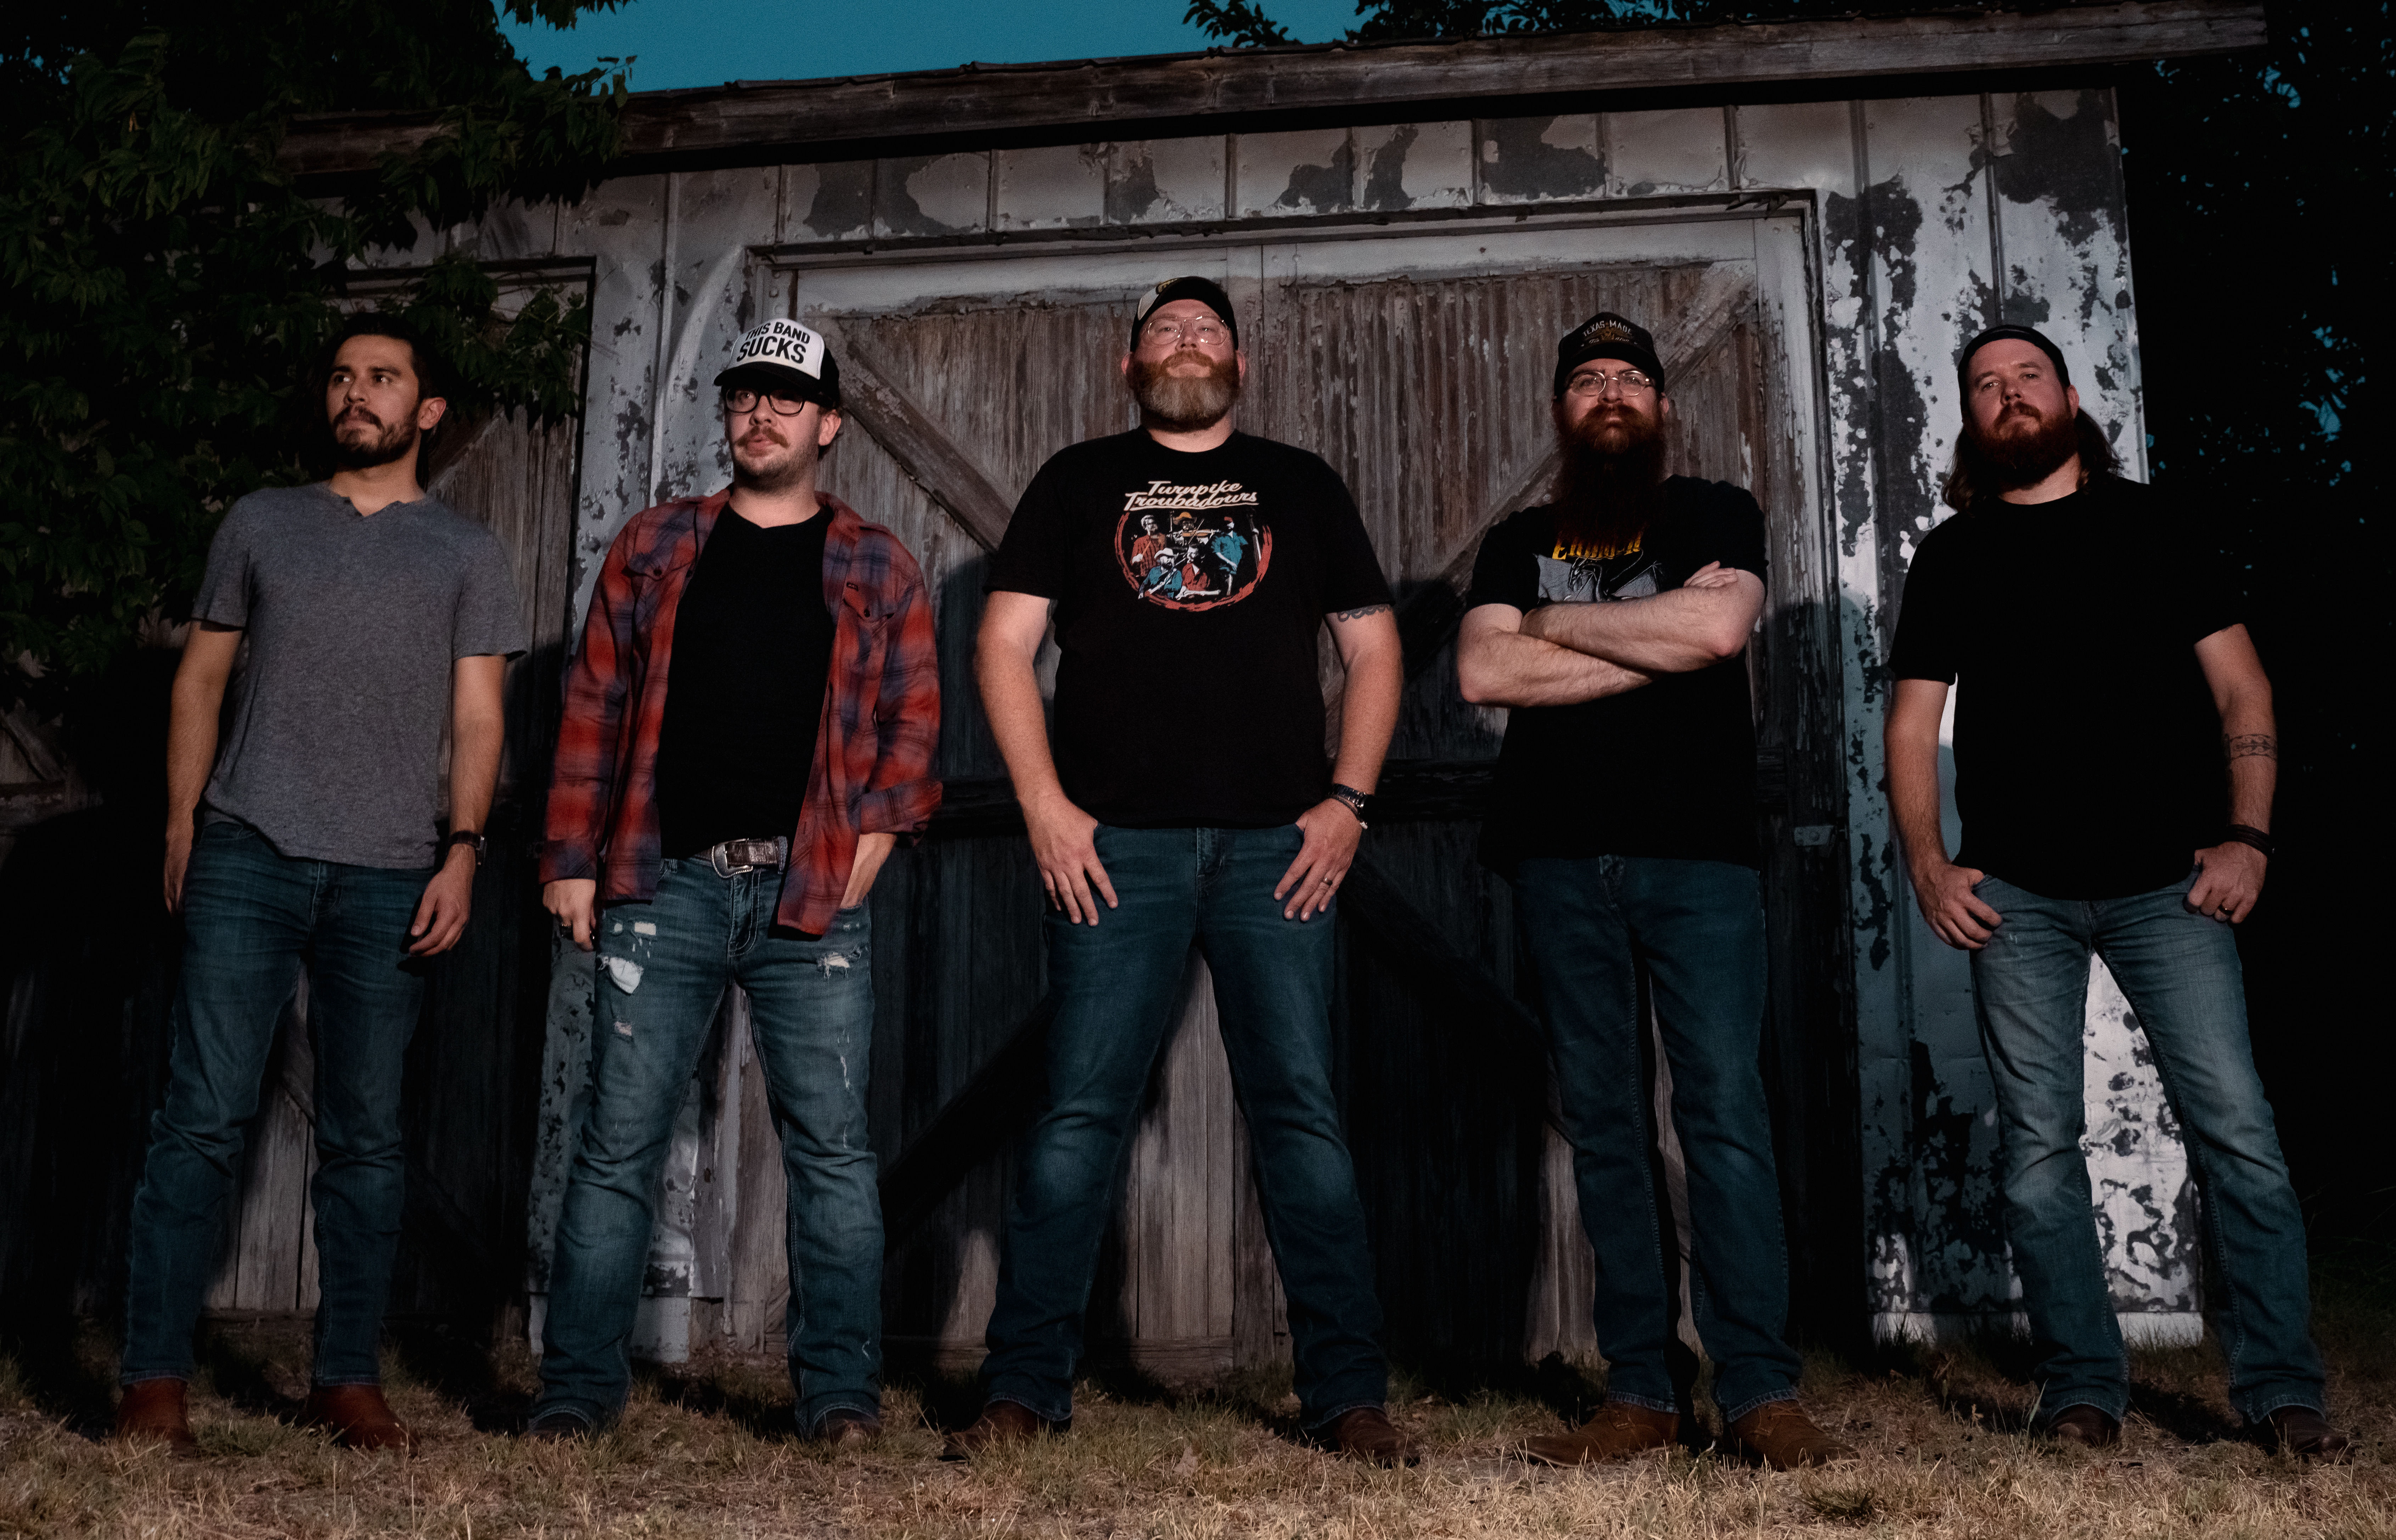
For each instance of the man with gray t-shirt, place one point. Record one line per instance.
(303, 826)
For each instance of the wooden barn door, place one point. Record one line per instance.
(1418, 366)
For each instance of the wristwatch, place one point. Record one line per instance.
(1356, 801)
(470, 838)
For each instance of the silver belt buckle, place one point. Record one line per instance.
(721, 858)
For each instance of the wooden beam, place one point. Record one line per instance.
(1428, 614)
(947, 475)
(760, 123)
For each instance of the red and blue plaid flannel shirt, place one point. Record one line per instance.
(872, 768)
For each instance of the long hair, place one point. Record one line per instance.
(1973, 477)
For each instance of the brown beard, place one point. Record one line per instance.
(2025, 458)
(790, 473)
(1185, 404)
(1610, 483)
(392, 442)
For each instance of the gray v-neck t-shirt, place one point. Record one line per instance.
(331, 738)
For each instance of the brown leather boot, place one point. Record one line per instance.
(152, 1412)
(1781, 1436)
(2306, 1434)
(1002, 1423)
(358, 1417)
(2085, 1427)
(1366, 1434)
(1619, 1430)
(843, 1429)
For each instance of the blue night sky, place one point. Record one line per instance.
(680, 43)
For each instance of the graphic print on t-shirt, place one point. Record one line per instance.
(1576, 574)
(1192, 548)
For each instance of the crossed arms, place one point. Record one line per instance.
(1561, 655)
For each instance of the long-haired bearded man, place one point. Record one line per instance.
(2104, 683)
(1612, 622)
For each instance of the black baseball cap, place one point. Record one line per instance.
(1607, 334)
(2030, 335)
(1204, 290)
(785, 356)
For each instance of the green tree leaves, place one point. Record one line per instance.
(170, 284)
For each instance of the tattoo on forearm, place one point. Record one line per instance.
(2260, 744)
(1360, 614)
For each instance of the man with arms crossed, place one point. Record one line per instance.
(2086, 619)
(1212, 819)
(374, 615)
(732, 829)
(1612, 621)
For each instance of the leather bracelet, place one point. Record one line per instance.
(1353, 801)
(2247, 834)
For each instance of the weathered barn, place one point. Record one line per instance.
(1810, 215)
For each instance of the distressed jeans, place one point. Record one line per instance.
(1114, 985)
(1699, 927)
(663, 968)
(2179, 971)
(251, 917)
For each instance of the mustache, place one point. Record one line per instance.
(357, 414)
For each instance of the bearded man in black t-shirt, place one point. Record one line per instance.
(1612, 621)
(2072, 607)
(1184, 798)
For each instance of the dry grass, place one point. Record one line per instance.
(706, 1454)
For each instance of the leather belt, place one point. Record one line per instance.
(749, 856)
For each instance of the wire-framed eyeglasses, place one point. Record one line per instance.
(741, 400)
(1205, 330)
(1596, 382)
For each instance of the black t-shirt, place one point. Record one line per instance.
(1665, 770)
(2087, 748)
(745, 686)
(1190, 589)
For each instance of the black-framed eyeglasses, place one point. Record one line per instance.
(1596, 382)
(741, 400)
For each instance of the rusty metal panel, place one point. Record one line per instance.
(1164, 181)
(1678, 149)
(2065, 251)
(1530, 159)
(1056, 187)
(715, 295)
(622, 226)
(829, 201)
(1414, 165)
(1309, 171)
(931, 196)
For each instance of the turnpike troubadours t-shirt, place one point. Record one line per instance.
(1664, 770)
(2087, 747)
(1190, 591)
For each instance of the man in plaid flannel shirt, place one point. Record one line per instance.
(728, 832)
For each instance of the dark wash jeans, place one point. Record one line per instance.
(250, 916)
(1114, 985)
(2030, 987)
(663, 968)
(1699, 926)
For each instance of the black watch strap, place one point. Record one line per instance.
(1358, 802)
(2247, 834)
(470, 838)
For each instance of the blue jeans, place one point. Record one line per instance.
(1113, 984)
(2179, 970)
(1699, 927)
(663, 968)
(250, 917)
